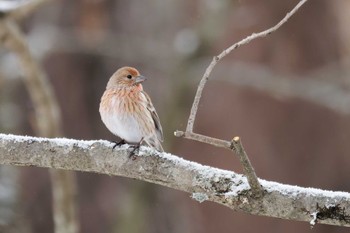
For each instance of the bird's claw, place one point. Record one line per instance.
(133, 154)
(121, 142)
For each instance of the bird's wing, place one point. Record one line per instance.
(155, 117)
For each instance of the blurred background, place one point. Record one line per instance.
(263, 92)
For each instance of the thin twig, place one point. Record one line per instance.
(236, 143)
(216, 59)
(247, 167)
(204, 139)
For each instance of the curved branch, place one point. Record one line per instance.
(203, 182)
(189, 134)
(217, 58)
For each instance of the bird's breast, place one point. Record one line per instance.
(121, 113)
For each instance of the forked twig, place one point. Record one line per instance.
(235, 144)
(205, 139)
(217, 58)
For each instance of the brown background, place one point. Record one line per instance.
(81, 43)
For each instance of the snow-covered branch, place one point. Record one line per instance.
(204, 183)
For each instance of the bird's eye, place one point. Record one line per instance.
(129, 76)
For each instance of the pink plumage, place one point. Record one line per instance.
(128, 112)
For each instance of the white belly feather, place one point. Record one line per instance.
(123, 123)
(124, 126)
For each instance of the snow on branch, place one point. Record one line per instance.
(204, 183)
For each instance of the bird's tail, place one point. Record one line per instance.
(155, 143)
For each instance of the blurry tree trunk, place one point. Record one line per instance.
(47, 124)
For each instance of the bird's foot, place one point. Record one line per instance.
(136, 148)
(133, 154)
(121, 142)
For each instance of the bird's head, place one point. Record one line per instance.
(126, 77)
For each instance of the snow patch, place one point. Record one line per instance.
(295, 191)
(200, 197)
(314, 218)
(62, 142)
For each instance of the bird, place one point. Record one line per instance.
(127, 110)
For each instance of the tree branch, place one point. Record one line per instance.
(204, 139)
(203, 182)
(248, 168)
(217, 58)
(234, 145)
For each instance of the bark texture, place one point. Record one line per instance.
(203, 182)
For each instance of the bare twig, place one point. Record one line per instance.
(236, 144)
(217, 58)
(205, 139)
(203, 182)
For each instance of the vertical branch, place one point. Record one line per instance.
(247, 167)
(198, 95)
(48, 124)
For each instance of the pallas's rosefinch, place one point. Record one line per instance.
(128, 112)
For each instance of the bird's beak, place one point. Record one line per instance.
(140, 79)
